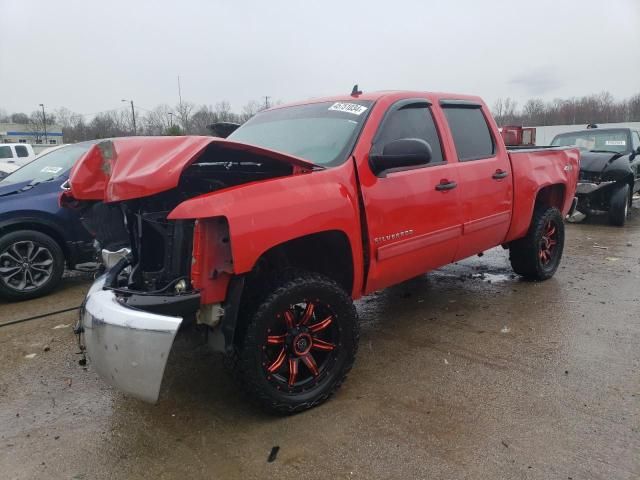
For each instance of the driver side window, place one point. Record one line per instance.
(412, 121)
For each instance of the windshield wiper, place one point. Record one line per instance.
(34, 183)
(605, 151)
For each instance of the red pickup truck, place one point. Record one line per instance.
(266, 237)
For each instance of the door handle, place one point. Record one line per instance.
(446, 185)
(499, 174)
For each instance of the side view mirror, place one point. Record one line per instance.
(404, 152)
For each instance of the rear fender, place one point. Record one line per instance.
(548, 177)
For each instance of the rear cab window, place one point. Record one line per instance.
(21, 151)
(470, 130)
(411, 120)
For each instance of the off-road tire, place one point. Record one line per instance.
(524, 254)
(39, 239)
(619, 206)
(246, 361)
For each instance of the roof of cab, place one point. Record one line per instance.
(395, 94)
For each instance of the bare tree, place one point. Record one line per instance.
(36, 124)
(202, 118)
(159, 120)
(223, 112)
(505, 111)
(19, 118)
(633, 109)
(534, 111)
(183, 110)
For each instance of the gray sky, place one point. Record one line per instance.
(88, 55)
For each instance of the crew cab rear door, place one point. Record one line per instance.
(412, 214)
(486, 180)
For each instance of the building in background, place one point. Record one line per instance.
(26, 133)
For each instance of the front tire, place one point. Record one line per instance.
(31, 265)
(299, 344)
(619, 206)
(537, 256)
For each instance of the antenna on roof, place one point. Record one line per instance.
(355, 92)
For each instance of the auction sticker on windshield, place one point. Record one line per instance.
(615, 142)
(353, 108)
(51, 169)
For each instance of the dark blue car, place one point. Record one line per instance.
(38, 238)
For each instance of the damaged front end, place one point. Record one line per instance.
(132, 313)
(600, 174)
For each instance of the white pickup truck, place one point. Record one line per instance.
(14, 156)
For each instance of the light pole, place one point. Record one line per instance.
(133, 115)
(44, 122)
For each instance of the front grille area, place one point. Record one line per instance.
(589, 176)
(162, 251)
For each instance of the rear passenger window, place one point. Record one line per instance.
(21, 151)
(470, 132)
(412, 121)
(635, 140)
(5, 152)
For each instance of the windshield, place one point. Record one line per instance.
(48, 166)
(323, 133)
(603, 140)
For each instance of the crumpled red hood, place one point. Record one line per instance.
(132, 167)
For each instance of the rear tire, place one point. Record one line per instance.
(31, 265)
(537, 255)
(619, 206)
(292, 356)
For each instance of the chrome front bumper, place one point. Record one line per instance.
(127, 347)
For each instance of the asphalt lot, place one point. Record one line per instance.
(467, 372)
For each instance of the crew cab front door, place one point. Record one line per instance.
(486, 180)
(412, 214)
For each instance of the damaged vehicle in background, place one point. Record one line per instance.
(609, 170)
(264, 239)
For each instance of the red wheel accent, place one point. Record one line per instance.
(276, 339)
(277, 362)
(322, 345)
(293, 371)
(292, 337)
(290, 321)
(321, 325)
(547, 243)
(308, 313)
(311, 364)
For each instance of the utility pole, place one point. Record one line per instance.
(44, 122)
(179, 93)
(133, 116)
(266, 101)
